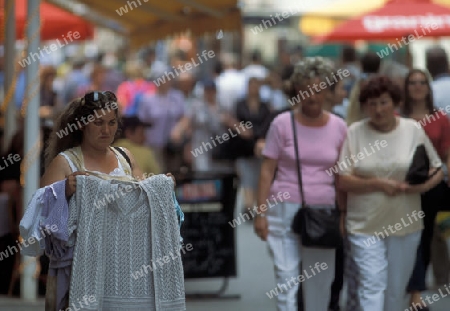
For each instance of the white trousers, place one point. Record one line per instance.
(385, 268)
(287, 253)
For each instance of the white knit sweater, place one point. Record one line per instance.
(136, 228)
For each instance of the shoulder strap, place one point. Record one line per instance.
(297, 158)
(75, 157)
(72, 166)
(124, 154)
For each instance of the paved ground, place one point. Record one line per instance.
(255, 279)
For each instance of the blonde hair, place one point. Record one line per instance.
(134, 70)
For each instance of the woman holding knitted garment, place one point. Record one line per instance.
(81, 164)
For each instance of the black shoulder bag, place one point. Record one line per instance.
(419, 169)
(318, 225)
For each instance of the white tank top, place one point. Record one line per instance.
(118, 171)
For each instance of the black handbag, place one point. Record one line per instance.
(233, 148)
(318, 225)
(419, 170)
(177, 148)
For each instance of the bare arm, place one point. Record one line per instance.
(58, 170)
(268, 167)
(435, 180)
(260, 224)
(228, 120)
(182, 127)
(341, 196)
(356, 184)
(136, 170)
(429, 184)
(259, 146)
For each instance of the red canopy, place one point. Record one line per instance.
(55, 23)
(397, 19)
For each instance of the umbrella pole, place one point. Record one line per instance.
(30, 108)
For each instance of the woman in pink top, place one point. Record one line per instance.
(128, 91)
(320, 137)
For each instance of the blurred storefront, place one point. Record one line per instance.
(272, 26)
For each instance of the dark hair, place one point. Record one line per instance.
(100, 57)
(370, 62)
(130, 127)
(378, 85)
(287, 72)
(47, 73)
(256, 56)
(348, 54)
(78, 109)
(407, 106)
(78, 64)
(436, 61)
(253, 79)
(148, 52)
(218, 68)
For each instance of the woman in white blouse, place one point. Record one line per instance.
(384, 217)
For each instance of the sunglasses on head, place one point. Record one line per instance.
(95, 96)
(414, 82)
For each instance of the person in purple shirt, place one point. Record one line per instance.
(320, 137)
(163, 109)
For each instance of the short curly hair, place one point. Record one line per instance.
(378, 85)
(307, 69)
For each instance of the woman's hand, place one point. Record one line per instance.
(261, 227)
(226, 119)
(174, 181)
(176, 136)
(246, 134)
(71, 183)
(392, 187)
(45, 112)
(259, 146)
(422, 188)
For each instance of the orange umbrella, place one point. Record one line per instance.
(55, 23)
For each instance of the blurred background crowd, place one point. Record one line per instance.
(169, 125)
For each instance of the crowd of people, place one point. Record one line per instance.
(373, 192)
(171, 127)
